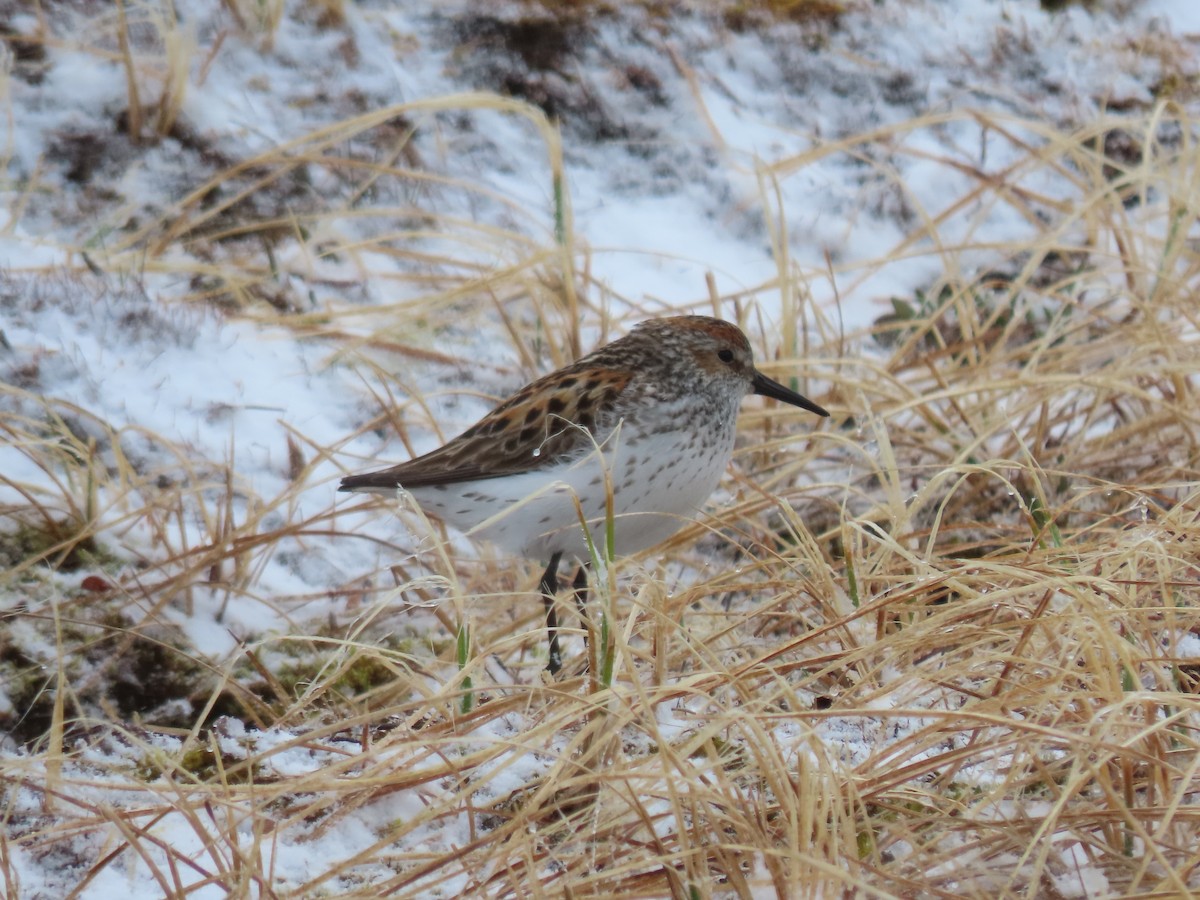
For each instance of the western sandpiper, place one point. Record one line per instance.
(640, 429)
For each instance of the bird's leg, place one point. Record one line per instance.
(579, 588)
(549, 587)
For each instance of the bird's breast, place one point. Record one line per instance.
(656, 477)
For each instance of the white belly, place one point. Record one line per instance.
(659, 483)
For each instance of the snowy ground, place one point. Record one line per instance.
(689, 149)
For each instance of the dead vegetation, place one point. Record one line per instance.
(947, 646)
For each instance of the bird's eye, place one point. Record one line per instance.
(725, 355)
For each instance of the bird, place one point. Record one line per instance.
(646, 423)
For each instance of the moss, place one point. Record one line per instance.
(152, 676)
(63, 545)
(147, 674)
(203, 764)
(746, 15)
(30, 691)
(110, 666)
(365, 672)
(808, 12)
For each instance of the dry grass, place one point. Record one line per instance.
(952, 651)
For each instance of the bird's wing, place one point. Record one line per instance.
(538, 426)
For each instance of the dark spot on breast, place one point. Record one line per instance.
(556, 405)
(533, 415)
(568, 382)
(528, 434)
(591, 384)
(498, 425)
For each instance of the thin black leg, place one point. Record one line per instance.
(579, 587)
(549, 587)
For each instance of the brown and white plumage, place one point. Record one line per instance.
(654, 411)
(651, 416)
(530, 430)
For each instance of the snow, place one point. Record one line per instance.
(1181, 18)
(742, 150)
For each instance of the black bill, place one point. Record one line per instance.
(768, 388)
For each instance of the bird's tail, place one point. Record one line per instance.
(370, 483)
